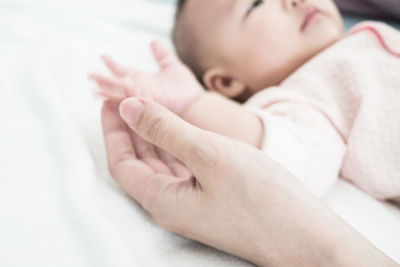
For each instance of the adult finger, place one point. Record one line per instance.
(159, 126)
(137, 178)
(146, 153)
(121, 156)
(116, 136)
(177, 167)
(162, 54)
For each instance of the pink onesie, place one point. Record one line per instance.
(339, 114)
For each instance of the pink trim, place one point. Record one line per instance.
(378, 35)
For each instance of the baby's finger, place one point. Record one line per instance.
(117, 69)
(162, 54)
(108, 97)
(109, 86)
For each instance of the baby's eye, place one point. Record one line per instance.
(254, 5)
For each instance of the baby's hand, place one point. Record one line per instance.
(173, 86)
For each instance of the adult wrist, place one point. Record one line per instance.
(327, 241)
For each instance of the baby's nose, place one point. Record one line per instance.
(293, 3)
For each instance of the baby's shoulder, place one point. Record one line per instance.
(367, 46)
(366, 37)
(370, 25)
(365, 40)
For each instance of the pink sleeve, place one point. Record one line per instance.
(303, 140)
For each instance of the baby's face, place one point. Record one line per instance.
(262, 42)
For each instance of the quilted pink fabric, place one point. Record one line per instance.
(339, 114)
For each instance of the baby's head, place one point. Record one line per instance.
(238, 47)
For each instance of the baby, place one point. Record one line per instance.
(323, 104)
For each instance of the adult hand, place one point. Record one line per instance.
(227, 194)
(174, 86)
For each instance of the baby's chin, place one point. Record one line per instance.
(325, 37)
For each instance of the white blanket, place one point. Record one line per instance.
(58, 204)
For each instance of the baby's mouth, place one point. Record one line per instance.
(311, 12)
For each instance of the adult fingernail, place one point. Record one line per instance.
(131, 109)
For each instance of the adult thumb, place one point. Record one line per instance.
(164, 129)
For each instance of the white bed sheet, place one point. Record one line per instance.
(58, 204)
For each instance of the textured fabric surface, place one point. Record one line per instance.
(339, 114)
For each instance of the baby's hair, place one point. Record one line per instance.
(187, 42)
(179, 7)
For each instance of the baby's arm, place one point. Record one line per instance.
(296, 134)
(284, 126)
(213, 112)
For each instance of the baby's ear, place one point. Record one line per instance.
(218, 80)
